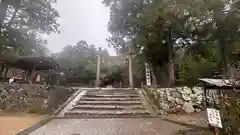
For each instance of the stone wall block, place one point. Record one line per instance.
(33, 98)
(183, 98)
(186, 97)
(188, 107)
(197, 90)
(176, 94)
(164, 106)
(179, 101)
(170, 98)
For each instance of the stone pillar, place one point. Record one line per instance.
(130, 67)
(98, 71)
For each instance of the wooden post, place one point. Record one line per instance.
(1, 71)
(26, 75)
(222, 103)
(217, 131)
(205, 97)
(32, 72)
(205, 100)
(29, 74)
(5, 73)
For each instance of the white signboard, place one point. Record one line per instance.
(214, 117)
(148, 75)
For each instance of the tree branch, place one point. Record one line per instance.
(12, 18)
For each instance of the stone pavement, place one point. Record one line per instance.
(121, 126)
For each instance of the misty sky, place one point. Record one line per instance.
(81, 20)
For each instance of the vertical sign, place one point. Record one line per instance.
(214, 117)
(148, 75)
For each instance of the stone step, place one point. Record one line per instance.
(106, 113)
(111, 96)
(107, 107)
(111, 92)
(126, 103)
(109, 99)
(114, 94)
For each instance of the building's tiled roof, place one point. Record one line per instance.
(221, 82)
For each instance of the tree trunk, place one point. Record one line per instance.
(223, 46)
(154, 78)
(3, 10)
(1, 71)
(225, 63)
(224, 55)
(170, 57)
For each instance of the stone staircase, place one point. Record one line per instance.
(109, 103)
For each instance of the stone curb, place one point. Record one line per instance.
(185, 124)
(35, 127)
(66, 103)
(150, 102)
(108, 117)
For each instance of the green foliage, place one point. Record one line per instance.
(232, 115)
(116, 73)
(157, 29)
(22, 24)
(199, 35)
(78, 63)
(193, 67)
(112, 74)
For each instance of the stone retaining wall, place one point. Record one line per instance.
(33, 98)
(181, 99)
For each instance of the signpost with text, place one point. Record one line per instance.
(214, 119)
(148, 75)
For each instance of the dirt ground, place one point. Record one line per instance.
(194, 119)
(13, 124)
